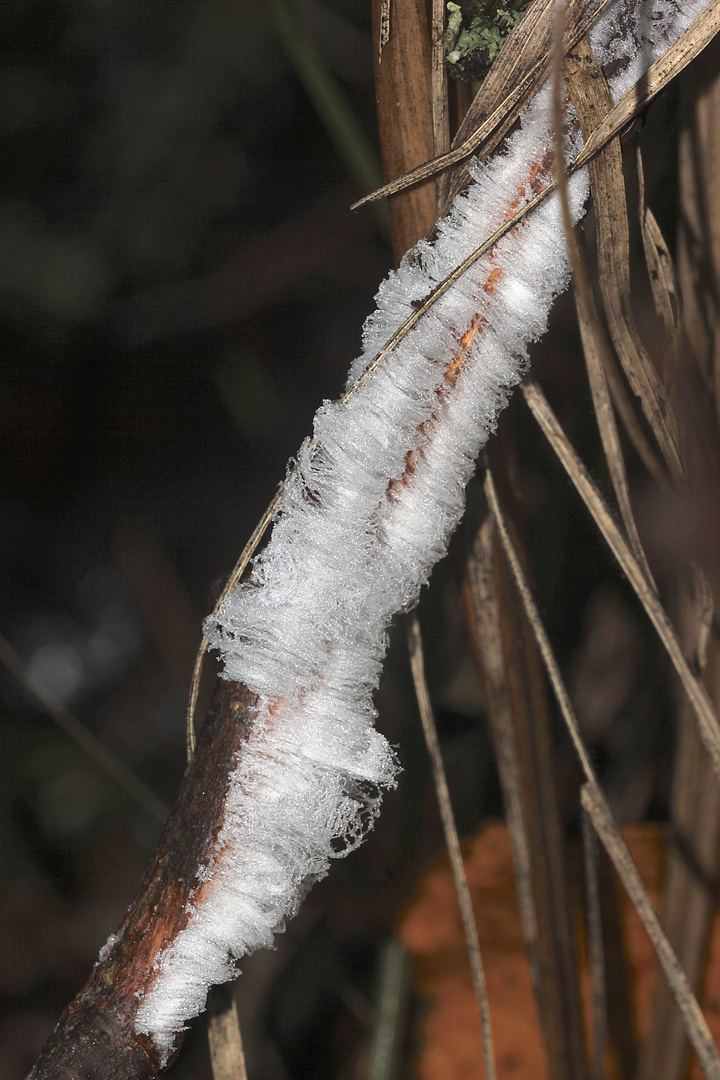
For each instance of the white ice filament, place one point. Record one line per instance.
(367, 513)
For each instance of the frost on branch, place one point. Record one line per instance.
(368, 510)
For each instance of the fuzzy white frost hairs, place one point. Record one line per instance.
(367, 512)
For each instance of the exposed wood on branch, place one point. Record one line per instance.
(95, 1038)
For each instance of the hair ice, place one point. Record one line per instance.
(367, 512)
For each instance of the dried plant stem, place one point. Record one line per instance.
(507, 88)
(681, 53)
(595, 943)
(405, 118)
(696, 692)
(516, 701)
(439, 91)
(595, 805)
(591, 97)
(591, 332)
(224, 1039)
(452, 841)
(663, 279)
(695, 1022)
(485, 618)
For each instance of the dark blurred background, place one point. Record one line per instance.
(181, 284)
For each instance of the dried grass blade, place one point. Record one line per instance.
(696, 692)
(543, 642)
(595, 350)
(524, 53)
(595, 944)
(439, 93)
(594, 803)
(663, 279)
(681, 53)
(485, 136)
(75, 730)
(451, 840)
(612, 841)
(630, 421)
(591, 332)
(238, 570)
(698, 249)
(591, 97)
(516, 699)
(224, 1039)
(484, 618)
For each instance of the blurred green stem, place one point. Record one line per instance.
(353, 145)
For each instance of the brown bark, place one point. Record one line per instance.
(95, 1038)
(404, 106)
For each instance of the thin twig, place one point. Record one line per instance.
(451, 839)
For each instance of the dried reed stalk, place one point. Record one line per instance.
(689, 888)
(515, 697)
(452, 841)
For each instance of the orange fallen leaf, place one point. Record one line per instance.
(431, 931)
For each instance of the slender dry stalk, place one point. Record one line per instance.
(697, 694)
(515, 697)
(224, 1039)
(439, 91)
(595, 942)
(405, 115)
(688, 900)
(452, 841)
(594, 802)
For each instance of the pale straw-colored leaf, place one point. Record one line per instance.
(224, 1039)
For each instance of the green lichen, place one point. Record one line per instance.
(476, 31)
